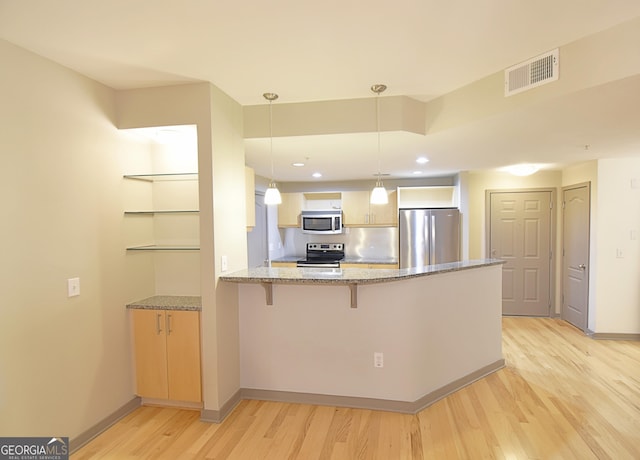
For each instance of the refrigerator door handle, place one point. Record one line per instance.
(426, 245)
(432, 241)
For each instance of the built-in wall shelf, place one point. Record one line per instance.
(172, 195)
(159, 177)
(155, 247)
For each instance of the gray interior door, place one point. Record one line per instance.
(575, 249)
(520, 234)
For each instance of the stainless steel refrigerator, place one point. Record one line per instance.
(428, 236)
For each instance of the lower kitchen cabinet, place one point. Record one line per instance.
(167, 354)
(385, 266)
(284, 264)
(348, 265)
(342, 265)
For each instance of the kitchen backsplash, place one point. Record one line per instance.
(369, 242)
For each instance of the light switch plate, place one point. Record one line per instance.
(224, 263)
(73, 287)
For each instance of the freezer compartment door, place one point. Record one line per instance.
(413, 232)
(444, 236)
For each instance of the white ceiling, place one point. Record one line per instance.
(336, 49)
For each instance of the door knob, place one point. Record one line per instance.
(582, 266)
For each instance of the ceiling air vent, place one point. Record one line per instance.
(534, 72)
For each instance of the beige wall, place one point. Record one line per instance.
(230, 241)
(614, 50)
(64, 362)
(616, 303)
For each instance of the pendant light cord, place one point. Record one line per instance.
(271, 136)
(271, 97)
(378, 129)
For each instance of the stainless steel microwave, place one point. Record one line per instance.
(321, 221)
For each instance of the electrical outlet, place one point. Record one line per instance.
(378, 359)
(73, 287)
(619, 253)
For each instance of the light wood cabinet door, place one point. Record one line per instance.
(183, 355)
(384, 266)
(355, 208)
(358, 211)
(150, 353)
(348, 265)
(289, 210)
(385, 214)
(283, 264)
(167, 354)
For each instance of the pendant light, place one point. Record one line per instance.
(379, 193)
(272, 195)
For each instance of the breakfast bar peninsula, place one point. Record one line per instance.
(388, 339)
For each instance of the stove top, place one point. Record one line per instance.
(323, 255)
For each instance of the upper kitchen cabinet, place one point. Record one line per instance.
(428, 197)
(293, 204)
(359, 212)
(289, 210)
(322, 201)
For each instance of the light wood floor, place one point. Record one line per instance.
(561, 396)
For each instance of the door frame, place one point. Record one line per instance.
(553, 308)
(588, 277)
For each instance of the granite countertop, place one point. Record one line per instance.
(348, 275)
(168, 302)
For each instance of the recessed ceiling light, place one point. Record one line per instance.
(422, 160)
(297, 164)
(316, 174)
(522, 169)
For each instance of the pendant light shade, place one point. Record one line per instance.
(272, 195)
(379, 193)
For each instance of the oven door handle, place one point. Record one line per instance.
(319, 265)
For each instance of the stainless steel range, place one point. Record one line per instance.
(323, 255)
